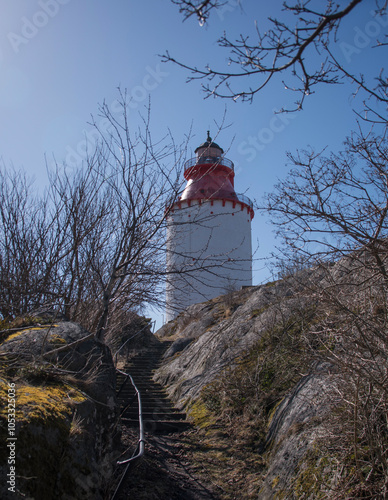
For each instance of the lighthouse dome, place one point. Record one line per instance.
(209, 149)
(209, 144)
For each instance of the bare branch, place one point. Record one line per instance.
(302, 52)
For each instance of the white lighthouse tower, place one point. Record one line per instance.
(209, 249)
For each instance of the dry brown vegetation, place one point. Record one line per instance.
(342, 327)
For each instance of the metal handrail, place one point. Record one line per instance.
(209, 159)
(141, 426)
(139, 452)
(140, 449)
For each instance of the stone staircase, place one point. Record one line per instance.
(159, 414)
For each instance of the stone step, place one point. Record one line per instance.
(159, 426)
(154, 415)
(146, 399)
(149, 388)
(144, 385)
(149, 399)
(139, 363)
(159, 415)
(155, 403)
(145, 392)
(163, 405)
(140, 382)
(154, 410)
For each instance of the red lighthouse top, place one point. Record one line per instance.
(209, 174)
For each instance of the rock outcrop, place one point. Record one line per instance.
(254, 335)
(211, 336)
(65, 412)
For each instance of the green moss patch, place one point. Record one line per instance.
(40, 404)
(56, 340)
(201, 415)
(43, 418)
(17, 334)
(45, 403)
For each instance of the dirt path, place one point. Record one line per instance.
(166, 473)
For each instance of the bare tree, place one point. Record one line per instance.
(93, 245)
(300, 52)
(331, 214)
(328, 206)
(29, 246)
(129, 184)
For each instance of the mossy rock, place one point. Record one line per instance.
(54, 457)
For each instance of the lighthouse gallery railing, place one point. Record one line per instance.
(209, 159)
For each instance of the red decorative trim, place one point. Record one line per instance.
(178, 204)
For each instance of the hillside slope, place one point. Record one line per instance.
(253, 373)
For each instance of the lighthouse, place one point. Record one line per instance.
(209, 248)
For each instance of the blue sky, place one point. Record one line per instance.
(60, 58)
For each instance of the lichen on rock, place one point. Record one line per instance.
(65, 412)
